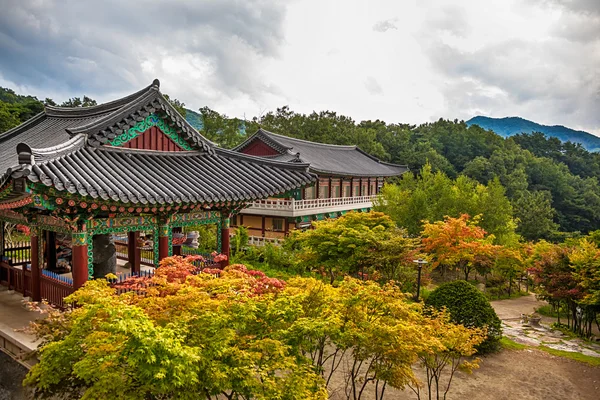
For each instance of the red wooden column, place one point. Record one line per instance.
(225, 221)
(36, 293)
(51, 250)
(177, 249)
(163, 240)
(79, 249)
(133, 251)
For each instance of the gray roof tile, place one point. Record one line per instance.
(66, 149)
(323, 158)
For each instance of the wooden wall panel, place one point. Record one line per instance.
(258, 148)
(153, 139)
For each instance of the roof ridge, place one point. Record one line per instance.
(146, 102)
(76, 141)
(260, 159)
(57, 111)
(24, 124)
(107, 117)
(317, 144)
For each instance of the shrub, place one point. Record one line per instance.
(469, 307)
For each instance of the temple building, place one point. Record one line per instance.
(75, 178)
(349, 179)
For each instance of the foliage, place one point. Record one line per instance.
(78, 102)
(568, 278)
(553, 183)
(458, 243)
(469, 307)
(432, 196)
(227, 132)
(239, 241)
(358, 244)
(178, 105)
(535, 215)
(236, 333)
(458, 343)
(585, 262)
(207, 236)
(16, 109)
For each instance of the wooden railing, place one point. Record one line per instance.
(296, 205)
(147, 256)
(208, 261)
(261, 241)
(17, 253)
(13, 277)
(54, 288)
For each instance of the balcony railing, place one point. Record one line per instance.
(303, 207)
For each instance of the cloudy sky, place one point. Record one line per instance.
(400, 61)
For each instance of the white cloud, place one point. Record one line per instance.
(437, 58)
(385, 25)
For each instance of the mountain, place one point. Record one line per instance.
(514, 125)
(194, 119)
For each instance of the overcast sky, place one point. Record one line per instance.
(400, 61)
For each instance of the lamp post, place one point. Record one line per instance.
(420, 262)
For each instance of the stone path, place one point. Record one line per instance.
(532, 334)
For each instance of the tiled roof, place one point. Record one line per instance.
(325, 158)
(66, 149)
(121, 174)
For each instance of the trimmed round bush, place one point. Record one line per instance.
(469, 307)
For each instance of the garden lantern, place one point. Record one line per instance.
(420, 263)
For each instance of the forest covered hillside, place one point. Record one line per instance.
(553, 187)
(510, 126)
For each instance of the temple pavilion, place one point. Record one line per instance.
(349, 179)
(128, 166)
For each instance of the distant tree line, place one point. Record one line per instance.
(552, 187)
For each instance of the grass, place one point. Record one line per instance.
(549, 311)
(593, 361)
(509, 344)
(504, 296)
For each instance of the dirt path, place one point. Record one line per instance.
(516, 374)
(513, 308)
(529, 375)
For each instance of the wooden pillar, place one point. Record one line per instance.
(368, 186)
(79, 250)
(225, 224)
(51, 250)
(2, 244)
(163, 241)
(263, 228)
(330, 186)
(177, 249)
(36, 293)
(318, 189)
(133, 252)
